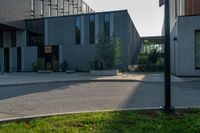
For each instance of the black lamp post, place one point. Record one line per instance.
(167, 108)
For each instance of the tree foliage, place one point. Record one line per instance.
(108, 51)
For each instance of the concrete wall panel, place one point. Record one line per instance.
(174, 44)
(79, 56)
(6, 39)
(61, 31)
(186, 41)
(29, 56)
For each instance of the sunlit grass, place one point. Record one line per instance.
(185, 121)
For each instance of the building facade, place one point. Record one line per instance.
(185, 30)
(53, 31)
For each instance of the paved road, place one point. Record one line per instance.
(89, 96)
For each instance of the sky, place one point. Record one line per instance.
(146, 14)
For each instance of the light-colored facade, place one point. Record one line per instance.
(185, 47)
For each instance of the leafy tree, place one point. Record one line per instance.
(108, 51)
(153, 56)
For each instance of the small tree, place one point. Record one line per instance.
(64, 65)
(108, 51)
(153, 56)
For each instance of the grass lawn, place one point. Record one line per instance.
(185, 121)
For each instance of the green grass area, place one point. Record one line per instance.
(185, 121)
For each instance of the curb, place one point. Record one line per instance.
(28, 118)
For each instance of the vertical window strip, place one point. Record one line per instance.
(49, 4)
(42, 8)
(57, 7)
(1, 39)
(13, 38)
(78, 30)
(63, 7)
(33, 8)
(92, 29)
(107, 25)
(197, 49)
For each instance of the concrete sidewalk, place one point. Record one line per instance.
(11, 79)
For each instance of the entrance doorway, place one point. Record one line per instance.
(6, 59)
(51, 54)
(48, 57)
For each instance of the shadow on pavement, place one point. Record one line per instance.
(151, 95)
(16, 91)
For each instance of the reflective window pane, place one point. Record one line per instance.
(107, 25)
(1, 39)
(13, 39)
(197, 49)
(92, 29)
(78, 30)
(35, 32)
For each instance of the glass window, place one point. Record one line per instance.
(1, 39)
(32, 8)
(49, 8)
(13, 38)
(78, 30)
(63, 6)
(92, 29)
(41, 7)
(75, 8)
(35, 32)
(197, 49)
(107, 25)
(32, 5)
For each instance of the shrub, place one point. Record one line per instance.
(64, 65)
(41, 64)
(35, 67)
(151, 61)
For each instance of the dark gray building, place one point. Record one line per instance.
(58, 30)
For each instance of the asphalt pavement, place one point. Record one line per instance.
(50, 98)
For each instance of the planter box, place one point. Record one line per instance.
(44, 71)
(70, 71)
(104, 72)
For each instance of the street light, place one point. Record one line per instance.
(167, 108)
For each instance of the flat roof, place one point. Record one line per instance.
(78, 15)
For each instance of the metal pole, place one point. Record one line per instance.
(167, 105)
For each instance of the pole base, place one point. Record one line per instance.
(168, 110)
